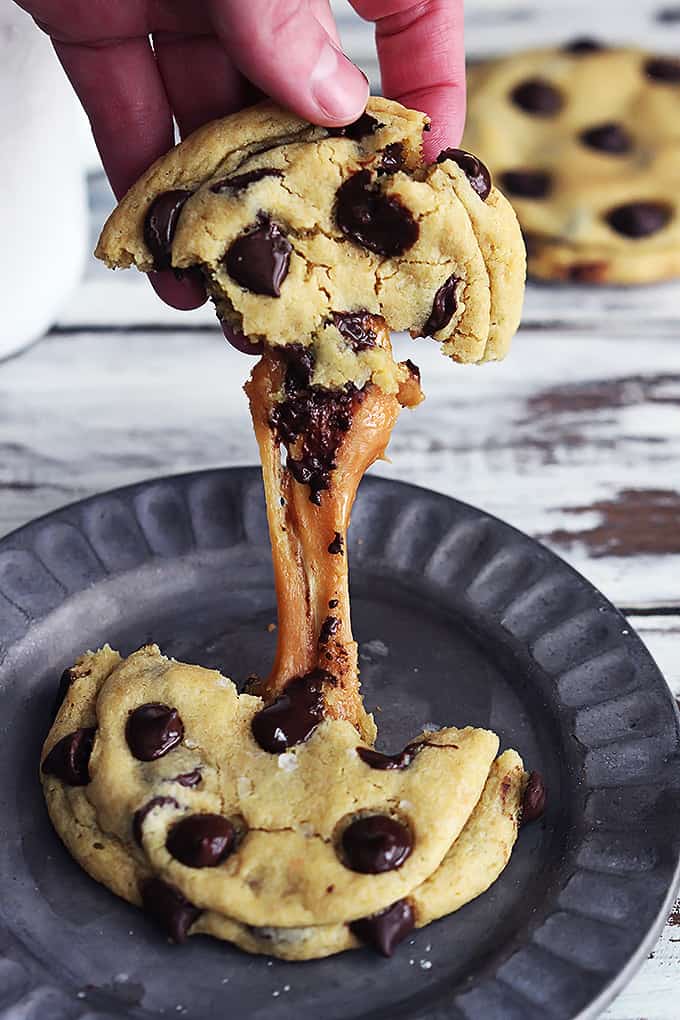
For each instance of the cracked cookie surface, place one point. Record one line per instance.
(292, 225)
(585, 142)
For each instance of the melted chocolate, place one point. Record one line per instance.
(188, 779)
(168, 907)
(392, 159)
(533, 802)
(639, 219)
(538, 96)
(526, 183)
(329, 627)
(160, 225)
(242, 181)
(294, 715)
(152, 730)
(663, 69)
(443, 307)
(611, 138)
(473, 168)
(375, 844)
(336, 548)
(69, 759)
(140, 815)
(317, 418)
(201, 841)
(333, 603)
(362, 127)
(384, 931)
(65, 681)
(374, 220)
(400, 760)
(258, 260)
(413, 369)
(357, 328)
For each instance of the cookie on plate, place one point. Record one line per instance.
(293, 227)
(219, 814)
(585, 142)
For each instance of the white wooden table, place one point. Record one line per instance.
(575, 439)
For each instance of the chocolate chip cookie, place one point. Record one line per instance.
(585, 142)
(276, 829)
(295, 228)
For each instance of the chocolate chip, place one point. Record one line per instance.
(583, 45)
(332, 603)
(443, 307)
(241, 181)
(400, 760)
(392, 158)
(69, 759)
(294, 715)
(357, 328)
(152, 730)
(663, 69)
(533, 802)
(188, 779)
(336, 547)
(413, 369)
(258, 260)
(65, 681)
(538, 96)
(526, 183)
(639, 219)
(611, 138)
(160, 225)
(588, 272)
(169, 908)
(668, 15)
(362, 127)
(201, 841)
(329, 627)
(375, 844)
(473, 168)
(142, 812)
(374, 220)
(384, 931)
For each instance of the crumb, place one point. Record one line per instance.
(271, 627)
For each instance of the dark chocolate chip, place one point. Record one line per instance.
(663, 69)
(329, 627)
(584, 45)
(65, 681)
(443, 307)
(258, 260)
(384, 931)
(188, 779)
(526, 183)
(169, 909)
(392, 158)
(533, 802)
(142, 812)
(639, 219)
(356, 328)
(336, 547)
(375, 844)
(332, 603)
(362, 127)
(69, 759)
(160, 225)
(374, 220)
(294, 715)
(201, 841)
(400, 760)
(538, 96)
(473, 168)
(413, 369)
(611, 138)
(241, 181)
(152, 730)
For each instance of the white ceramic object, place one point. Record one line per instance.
(43, 202)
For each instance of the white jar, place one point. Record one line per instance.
(43, 202)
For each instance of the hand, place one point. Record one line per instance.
(213, 57)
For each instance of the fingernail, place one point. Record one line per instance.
(339, 88)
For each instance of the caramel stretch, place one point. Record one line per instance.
(308, 529)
